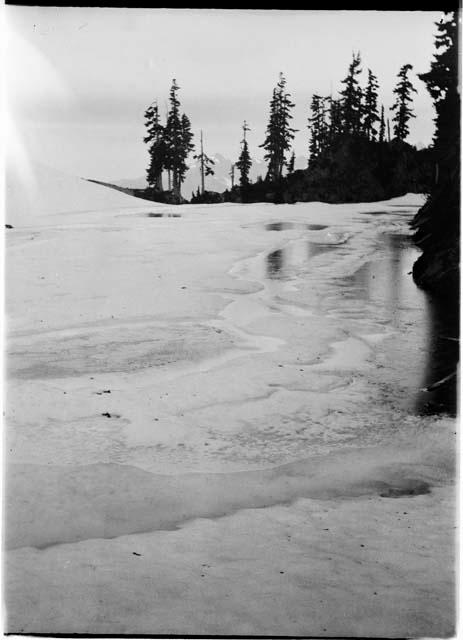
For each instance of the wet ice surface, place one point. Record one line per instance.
(181, 377)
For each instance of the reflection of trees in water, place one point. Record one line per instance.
(442, 351)
(294, 256)
(275, 264)
(279, 226)
(388, 282)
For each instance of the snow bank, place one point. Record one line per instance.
(34, 195)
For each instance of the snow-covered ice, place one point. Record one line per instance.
(204, 421)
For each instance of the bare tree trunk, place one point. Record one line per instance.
(176, 186)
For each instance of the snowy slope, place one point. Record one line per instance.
(34, 196)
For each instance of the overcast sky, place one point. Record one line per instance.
(81, 78)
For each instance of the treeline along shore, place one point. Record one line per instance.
(356, 153)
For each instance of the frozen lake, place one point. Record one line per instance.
(216, 424)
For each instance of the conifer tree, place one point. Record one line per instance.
(442, 85)
(382, 126)
(290, 165)
(371, 107)
(403, 111)
(351, 97)
(156, 149)
(186, 148)
(318, 126)
(313, 128)
(244, 162)
(178, 140)
(437, 223)
(204, 164)
(335, 117)
(279, 132)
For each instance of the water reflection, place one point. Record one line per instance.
(284, 226)
(275, 264)
(316, 227)
(433, 355)
(439, 376)
(280, 263)
(164, 215)
(380, 213)
(388, 281)
(279, 226)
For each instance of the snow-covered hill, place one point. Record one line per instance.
(36, 195)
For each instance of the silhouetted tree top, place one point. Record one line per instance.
(402, 108)
(279, 133)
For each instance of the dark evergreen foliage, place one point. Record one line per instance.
(437, 224)
(354, 169)
(401, 106)
(335, 116)
(351, 98)
(370, 108)
(207, 197)
(244, 162)
(205, 164)
(279, 132)
(382, 126)
(290, 165)
(318, 127)
(178, 141)
(156, 149)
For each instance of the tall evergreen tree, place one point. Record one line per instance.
(318, 126)
(290, 165)
(382, 126)
(314, 148)
(351, 97)
(371, 107)
(441, 83)
(178, 137)
(204, 164)
(279, 133)
(335, 117)
(403, 111)
(438, 221)
(244, 162)
(186, 148)
(155, 140)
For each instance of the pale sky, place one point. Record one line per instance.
(80, 79)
